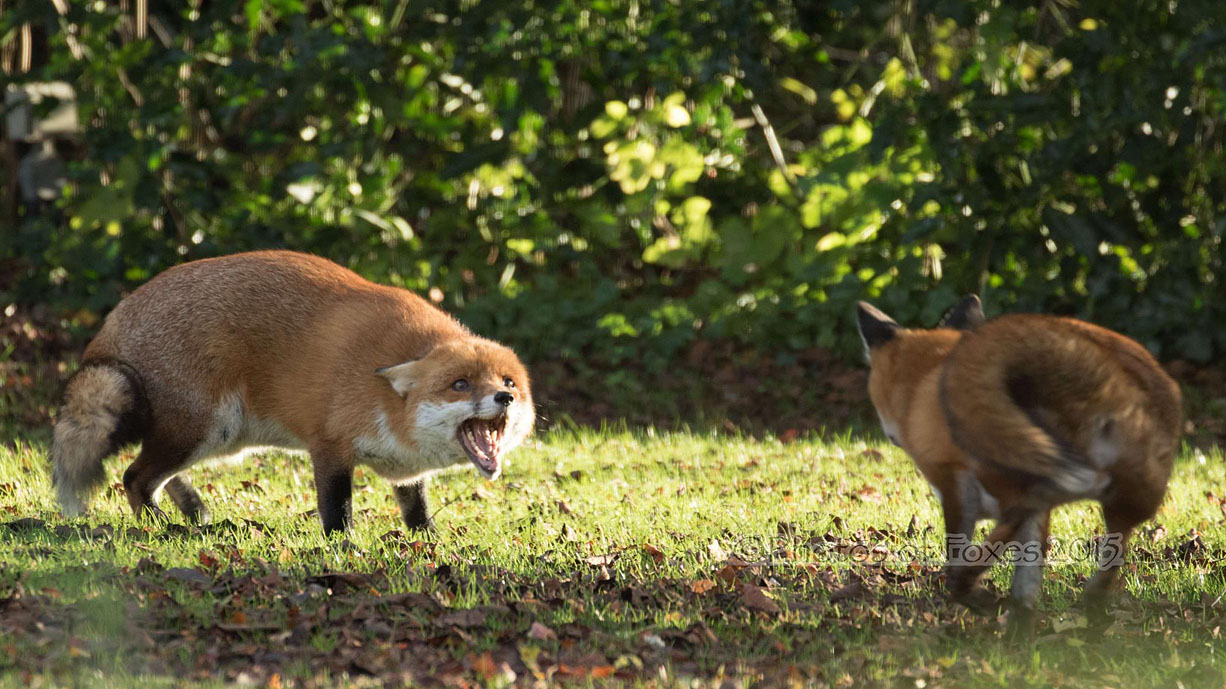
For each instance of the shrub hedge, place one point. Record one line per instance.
(610, 180)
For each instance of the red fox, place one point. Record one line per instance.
(281, 349)
(1012, 417)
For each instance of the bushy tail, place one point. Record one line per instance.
(1034, 400)
(104, 407)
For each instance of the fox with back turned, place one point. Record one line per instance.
(1011, 417)
(219, 356)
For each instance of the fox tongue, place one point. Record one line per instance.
(482, 441)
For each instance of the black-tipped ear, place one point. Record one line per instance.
(965, 315)
(876, 328)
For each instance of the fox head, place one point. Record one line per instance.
(466, 398)
(899, 358)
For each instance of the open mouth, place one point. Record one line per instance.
(482, 442)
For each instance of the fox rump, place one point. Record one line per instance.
(214, 358)
(1012, 417)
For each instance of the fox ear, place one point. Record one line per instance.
(876, 328)
(401, 376)
(965, 315)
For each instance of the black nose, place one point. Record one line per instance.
(504, 398)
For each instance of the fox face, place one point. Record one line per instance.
(465, 400)
(900, 358)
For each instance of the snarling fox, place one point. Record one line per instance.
(216, 357)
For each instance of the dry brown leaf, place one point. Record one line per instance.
(465, 619)
(600, 560)
(540, 632)
(754, 598)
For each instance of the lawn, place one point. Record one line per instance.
(647, 557)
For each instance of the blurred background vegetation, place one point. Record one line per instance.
(620, 183)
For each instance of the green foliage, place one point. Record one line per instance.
(598, 180)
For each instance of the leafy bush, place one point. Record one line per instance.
(609, 181)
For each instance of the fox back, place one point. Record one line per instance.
(1061, 407)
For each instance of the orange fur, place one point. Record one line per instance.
(281, 348)
(1028, 412)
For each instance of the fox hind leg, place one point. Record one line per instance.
(1031, 536)
(969, 565)
(185, 497)
(961, 508)
(1120, 520)
(158, 460)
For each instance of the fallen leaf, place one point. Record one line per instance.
(654, 641)
(188, 575)
(485, 667)
(754, 598)
(869, 493)
(701, 586)
(465, 619)
(339, 582)
(540, 632)
(851, 590)
(413, 600)
(25, 524)
(208, 560)
(99, 531)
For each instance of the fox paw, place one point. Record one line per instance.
(154, 514)
(979, 600)
(1020, 623)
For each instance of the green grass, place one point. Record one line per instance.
(641, 553)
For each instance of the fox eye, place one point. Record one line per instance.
(509, 383)
(460, 385)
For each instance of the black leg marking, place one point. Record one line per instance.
(961, 511)
(335, 493)
(413, 505)
(187, 500)
(1027, 574)
(961, 505)
(140, 481)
